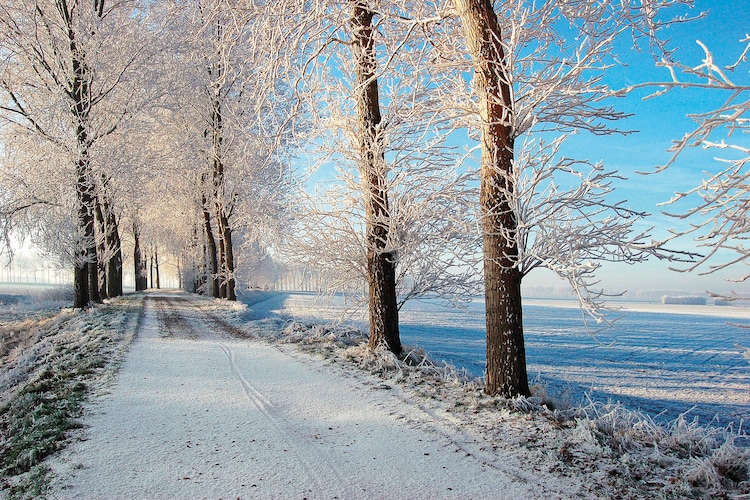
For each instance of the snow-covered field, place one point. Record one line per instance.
(215, 400)
(665, 360)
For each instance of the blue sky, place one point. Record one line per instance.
(658, 122)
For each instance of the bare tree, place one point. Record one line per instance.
(66, 82)
(529, 77)
(395, 221)
(381, 263)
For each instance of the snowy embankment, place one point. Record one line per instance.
(213, 400)
(51, 360)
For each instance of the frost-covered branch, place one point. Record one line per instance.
(716, 210)
(568, 223)
(427, 229)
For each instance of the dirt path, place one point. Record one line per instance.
(197, 413)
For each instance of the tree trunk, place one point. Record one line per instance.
(114, 245)
(381, 264)
(86, 287)
(180, 281)
(211, 249)
(203, 276)
(151, 268)
(101, 247)
(87, 268)
(110, 233)
(80, 284)
(231, 292)
(222, 263)
(156, 263)
(199, 270)
(227, 261)
(82, 295)
(226, 254)
(506, 356)
(139, 263)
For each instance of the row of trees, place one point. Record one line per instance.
(130, 119)
(53, 89)
(201, 125)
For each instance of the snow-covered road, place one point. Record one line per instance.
(198, 413)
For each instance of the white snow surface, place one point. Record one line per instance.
(197, 413)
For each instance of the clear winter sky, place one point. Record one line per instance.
(659, 121)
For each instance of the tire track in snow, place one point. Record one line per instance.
(193, 325)
(290, 435)
(178, 324)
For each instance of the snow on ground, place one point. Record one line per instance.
(215, 400)
(198, 414)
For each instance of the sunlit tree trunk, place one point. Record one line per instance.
(506, 357)
(381, 264)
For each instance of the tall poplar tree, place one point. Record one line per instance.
(506, 355)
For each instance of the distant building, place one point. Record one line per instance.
(684, 300)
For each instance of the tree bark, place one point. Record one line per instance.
(506, 355)
(101, 247)
(85, 287)
(210, 249)
(151, 268)
(180, 282)
(225, 264)
(199, 270)
(139, 263)
(85, 278)
(381, 264)
(228, 282)
(156, 264)
(222, 263)
(114, 246)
